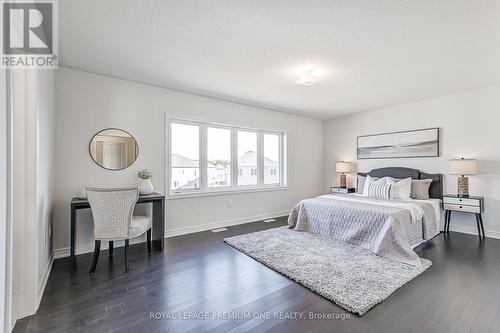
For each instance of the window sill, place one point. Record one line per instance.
(186, 195)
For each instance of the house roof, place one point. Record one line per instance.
(179, 161)
(249, 159)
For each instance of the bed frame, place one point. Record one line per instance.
(435, 190)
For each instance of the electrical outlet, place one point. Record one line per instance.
(229, 203)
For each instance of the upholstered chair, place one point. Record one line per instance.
(112, 213)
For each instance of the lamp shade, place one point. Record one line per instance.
(463, 167)
(343, 167)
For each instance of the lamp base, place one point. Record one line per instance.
(463, 186)
(343, 181)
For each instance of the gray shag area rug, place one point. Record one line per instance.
(352, 277)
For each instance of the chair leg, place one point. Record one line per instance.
(126, 255)
(97, 249)
(148, 239)
(110, 248)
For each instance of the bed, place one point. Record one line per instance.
(389, 228)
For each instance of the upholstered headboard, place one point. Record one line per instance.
(435, 191)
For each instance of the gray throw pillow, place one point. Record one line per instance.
(361, 184)
(420, 189)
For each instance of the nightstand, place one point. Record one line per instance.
(471, 205)
(342, 190)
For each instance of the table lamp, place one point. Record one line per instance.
(343, 168)
(463, 167)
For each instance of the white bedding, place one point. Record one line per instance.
(437, 204)
(413, 233)
(386, 227)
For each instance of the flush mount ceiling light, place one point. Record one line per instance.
(308, 77)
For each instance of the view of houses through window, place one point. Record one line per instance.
(185, 171)
(218, 157)
(215, 146)
(247, 158)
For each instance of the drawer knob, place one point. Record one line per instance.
(459, 199)
(461, 207)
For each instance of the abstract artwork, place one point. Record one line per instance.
(417, 143)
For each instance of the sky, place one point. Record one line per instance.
(185, 142)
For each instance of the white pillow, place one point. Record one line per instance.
(401, 188)
(369, 180)
(361, 183)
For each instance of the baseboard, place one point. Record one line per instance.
(88, 248)
(473, 231)
(225, 223)
(43, 283)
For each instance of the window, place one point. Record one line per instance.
(218, 157)
(211, 158)
(247, 158)
(271, 158)
(185, 156)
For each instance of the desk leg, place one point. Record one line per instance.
(158, 225)
(72, 240)
(449, 221)
(480, 227)
(445, 221)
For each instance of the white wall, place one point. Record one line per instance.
(45, 104)
(87, 103)
(23, 173)
(4, 299)
(32, 166)
(469, 123)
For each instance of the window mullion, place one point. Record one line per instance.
(283, 161)
(260, 158)
(234, 158)
(280, 157)
(203, 157)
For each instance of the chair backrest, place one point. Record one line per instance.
(112, 211)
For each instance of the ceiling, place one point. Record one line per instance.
(370, 54)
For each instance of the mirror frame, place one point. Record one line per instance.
(119, 129)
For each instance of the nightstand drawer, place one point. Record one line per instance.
(462, 201)
(462, 208)
(341, 190)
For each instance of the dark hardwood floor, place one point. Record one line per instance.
(199, 273)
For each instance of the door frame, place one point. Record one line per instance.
(5, 201)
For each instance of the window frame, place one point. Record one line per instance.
(234, 171)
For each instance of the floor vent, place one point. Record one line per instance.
(219, 230)
(270, 220)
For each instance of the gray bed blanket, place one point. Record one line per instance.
(377, 225)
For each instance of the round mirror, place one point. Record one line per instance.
(114, 149)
